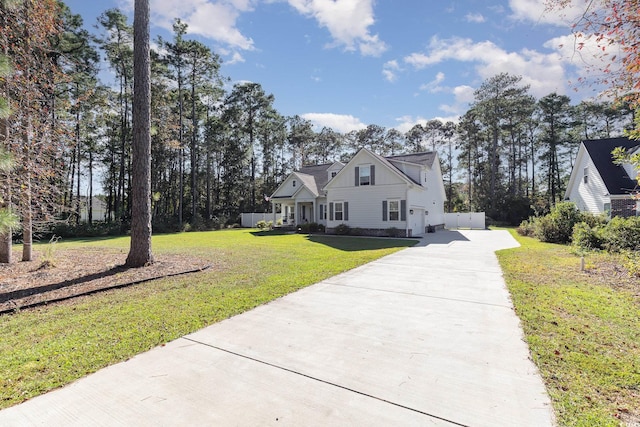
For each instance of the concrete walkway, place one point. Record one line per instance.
(426, 336)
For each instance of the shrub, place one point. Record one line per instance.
(527, 228)
(557, 227)
(622, 234)
(342, 229)
(264, 225)
(586, 237)
(593, 220)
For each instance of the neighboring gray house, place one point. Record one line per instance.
(370, 192)
(600, 186)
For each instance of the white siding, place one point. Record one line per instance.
(365, 205)
(365, 202)
(305, 196)
(287, 188)
(592, 195)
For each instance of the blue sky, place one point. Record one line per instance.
(350, 63)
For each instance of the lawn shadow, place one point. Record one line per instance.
(442, 237)
(353, 243)
(266, 233)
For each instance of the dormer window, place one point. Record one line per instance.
(333, 174)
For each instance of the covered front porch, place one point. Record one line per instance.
(291, 212)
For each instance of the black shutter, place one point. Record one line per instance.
(357, 169)
(346, 211)
(403, 210)
(373, 175)
(331, 211)
(384, 210)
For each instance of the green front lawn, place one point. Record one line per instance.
(583, 329)
(50, 346)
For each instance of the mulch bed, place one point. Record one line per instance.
(74, 272)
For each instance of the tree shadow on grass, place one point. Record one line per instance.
(274, 232)
(350, 243)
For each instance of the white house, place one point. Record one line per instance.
(301, 197)
(600, 186)
(371, 192)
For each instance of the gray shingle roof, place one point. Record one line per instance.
(321, 176)
(616, 179)
(318, 173)
(424, 158)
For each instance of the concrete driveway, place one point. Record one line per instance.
(426, 336)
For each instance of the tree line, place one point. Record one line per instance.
(218, 149)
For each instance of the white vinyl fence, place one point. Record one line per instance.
(464, 220)
(249, 220)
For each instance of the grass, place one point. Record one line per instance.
(583, 330)
(48, 347)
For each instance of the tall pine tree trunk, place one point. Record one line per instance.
(140, 251)
(27, 218)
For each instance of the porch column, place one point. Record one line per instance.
(313, 212)
(296, 213)
(273, 211)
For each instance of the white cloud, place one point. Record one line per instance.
(390, 70)
(405, 123)
(343, 123)
(434, 85)
(536, 11)
(474, 17)
(463, 97)
(585, 53)
(236, 58)
(543, 72)
(215, 20)
(347, 21)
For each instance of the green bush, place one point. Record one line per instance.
(527, 227)
(557, 227)
(622, 234)
(96, 229)
(586, 237)
(264, 225)
(342, 229)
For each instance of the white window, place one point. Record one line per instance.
(338, 211)
(294, 182)
(394, 210)
(333, 174)
(586, 175)
(365, 175)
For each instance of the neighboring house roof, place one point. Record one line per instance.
(615, 178)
